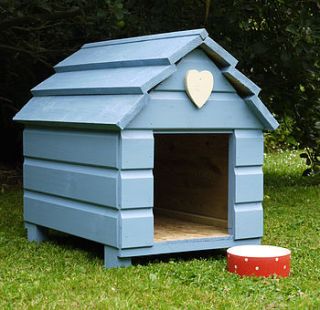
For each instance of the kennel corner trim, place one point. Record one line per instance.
(115, 151)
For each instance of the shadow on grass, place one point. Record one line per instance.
(94, 250)
(181, 257)
(69, 242)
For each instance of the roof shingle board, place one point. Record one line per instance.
(99, 111)
(132, 66)
(164, 51)
(132, 80)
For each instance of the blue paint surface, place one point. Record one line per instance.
(89, 146)
(186, 33)
(196, 60)
(218, 53)
(164, 51)
(174, 110)
(83, 183)
(80, 219)
(114, 81)
(248, 220)
(94, 148)
(83, 111)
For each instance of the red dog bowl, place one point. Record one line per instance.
(259, 260)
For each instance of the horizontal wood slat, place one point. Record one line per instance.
(249, 147)
(248, 184)
(136, 228)
(84, 220)
(164, 51)
(112, 111)
(222, 111)
(132, 80)
(187, 246)
(248, 222)
(83, 147)
(137, 149)
(84, 183)
(136, 189)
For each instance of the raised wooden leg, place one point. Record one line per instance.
(111, 259)
(36, 233)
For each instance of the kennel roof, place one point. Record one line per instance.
(107, 83)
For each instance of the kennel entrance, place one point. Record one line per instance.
(190, 186)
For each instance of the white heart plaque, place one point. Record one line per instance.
(199, 86)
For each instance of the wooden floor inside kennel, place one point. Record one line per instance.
(190, 186)
(168, 229)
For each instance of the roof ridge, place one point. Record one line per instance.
(202, 32)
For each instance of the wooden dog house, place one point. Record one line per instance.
(116, 152)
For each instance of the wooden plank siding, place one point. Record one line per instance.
(222, 111)
(92, 148)
(90, 151)
(246, 184)
(136, 188)
(84, 183)
(136, 228)
(89, 221)
(137, 149)
(89, 176)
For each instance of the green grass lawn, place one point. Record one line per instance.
(68, 272)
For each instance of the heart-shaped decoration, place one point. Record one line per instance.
(199, 86)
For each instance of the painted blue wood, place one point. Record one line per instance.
(136, 189)
(112, 259)
(174, 110)
(97, 148)
(248, 184)
(245, 215)
(240, 82)
(147, 53)
(194, 32)
(88, 111)
(248, 220)
(98, 184)
(80, 219)
(219, 55)
(197, 60)
(133, 80)
(136, 228)
(36, 233)
(180, 246)
(137, 149)
(231, 182)
(84, 183)
(249, 145)
(262, 112)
